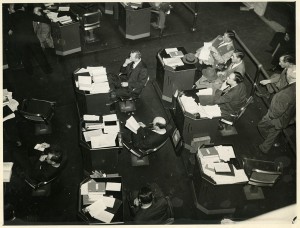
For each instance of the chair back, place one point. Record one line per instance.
(91, 20)
(262, 173)
(243, 109)
(40, 111)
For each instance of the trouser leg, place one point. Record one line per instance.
(40, 57)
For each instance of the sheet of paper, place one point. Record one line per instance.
(7, 171)
(63, 8)
(100, 78)
(132, 124)
(110, 117)
(82, 70)
(111, 128)
(84, 189)
(109, 201)
(222, 167)
(225, 152)
(89, 134)
(91, 117)
(103, 216)
(96, 206)
(85, 80)
(102, 87)
(172, 62)
(212, 111)
(168, 50)
(111, 186)
(207, 91)
(104, 140)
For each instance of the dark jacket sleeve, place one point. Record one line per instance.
(142, 78)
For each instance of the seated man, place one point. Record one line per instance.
(209, 79)
(232, 95)
(237, 65)
(48, 165)
(131, 80)
(151, 137)
(220, 50)
(279, 80)
(149, 206)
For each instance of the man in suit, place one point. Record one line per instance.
(152, 136)
(149, 206)
(132, 78)
(237, 65)
(26, 40)
(232, 95)
(220, 51)
(279, 80)
(281, 113)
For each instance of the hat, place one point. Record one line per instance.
(210, 73)
(189, 58)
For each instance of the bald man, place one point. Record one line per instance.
(151, 137)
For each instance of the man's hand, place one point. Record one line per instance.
(265, 82)
(224, 85)
(221, 73)
(127, 61)
(142, 124)
(214, 50)
(43, 158)
(124, 84)
(10, 32)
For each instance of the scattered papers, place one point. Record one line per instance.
(207, 91)
(89, 134)
(13, 104)
(189, 104)
(91, 117)
(212, 111)
(93, 126)
(132, 124)
(111, 186)
(42, 146)
(7, 170)
(102, 215)
(111, 117)
(221, 167)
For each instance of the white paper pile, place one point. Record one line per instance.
(225, 152)
(7, 170)
(189, 104)
(173, 62)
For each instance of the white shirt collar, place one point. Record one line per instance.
(136, 63)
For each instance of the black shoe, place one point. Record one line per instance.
(262, 95)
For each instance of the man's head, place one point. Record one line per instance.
(228, 36)
(135, 55)
(234, 78)
(145, 195)
(159, 123)
(286, 61)
(237, 56)
(54, 155)
(291, 74)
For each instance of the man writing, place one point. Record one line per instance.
(131, 80)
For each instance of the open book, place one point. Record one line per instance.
(132, 125)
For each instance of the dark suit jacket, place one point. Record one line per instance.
(22, 27)
(283, 106)
(232, 101)
(239, 68)
(148, 139)
(137, 77)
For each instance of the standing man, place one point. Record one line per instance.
(281, 112)
(279, 80)
(26, 40)
(131, 79)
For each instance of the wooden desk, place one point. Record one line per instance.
(212, 197)
(104, 158)
(134, 23)
(169, 80)
(94, 104)
(191, 126)
(66, 37)
(118, 216)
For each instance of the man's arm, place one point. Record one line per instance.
(142, 78)
(279, 106)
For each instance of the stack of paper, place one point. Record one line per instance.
(111, 123)
(189, 104)
(173, 62)
(64, 8)
(93, 126)
(85, 82)
(205, 51)
(89, 134)
(207, 91)
(91, 117)
(132, 124)
(65, 19)
(212, 111)
(7, 170)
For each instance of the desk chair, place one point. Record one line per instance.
(260, 174)
(229, 128)
(43, 188)
(127, 104)
(39, 112)
(90, 22)
(139, 157)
